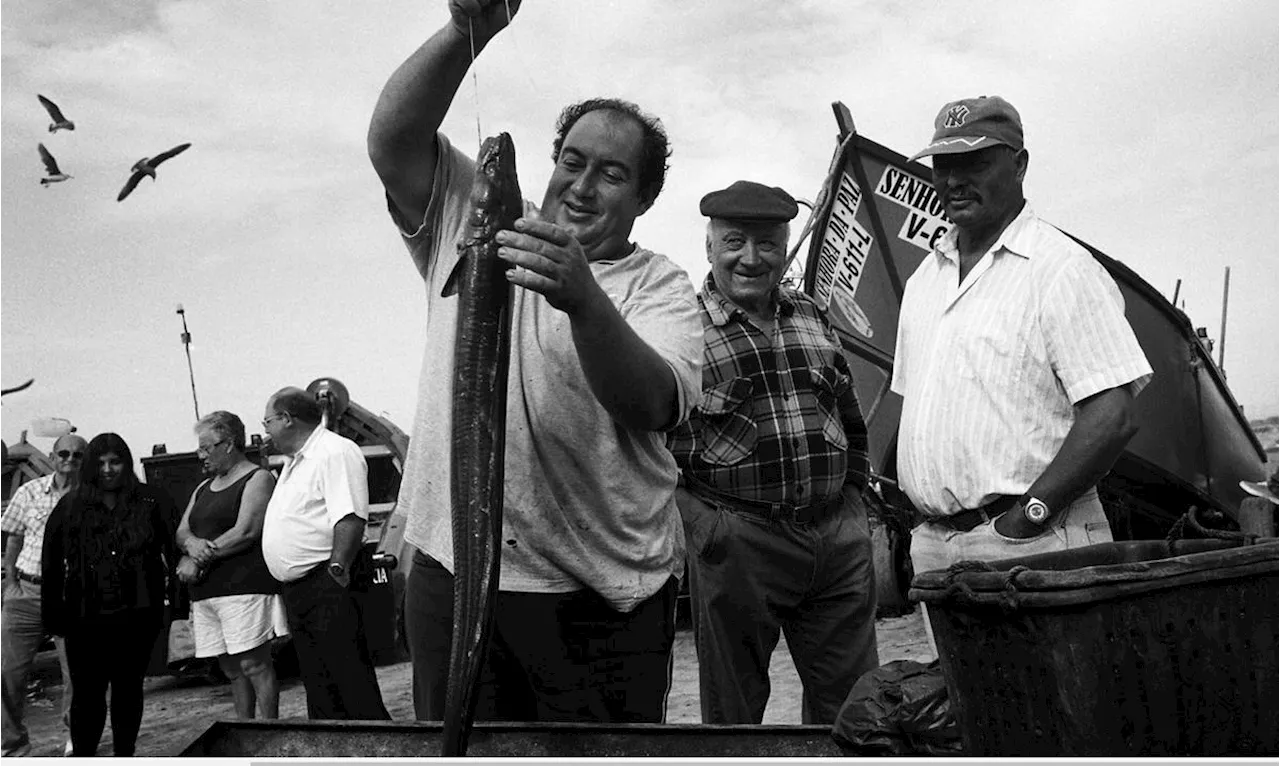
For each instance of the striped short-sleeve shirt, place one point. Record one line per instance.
(990, 370)
(779, 420)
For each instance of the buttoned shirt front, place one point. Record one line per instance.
(26, 514)
(990, 368)
(779, 420)
(326, 480)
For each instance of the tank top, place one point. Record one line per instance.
(213, 513)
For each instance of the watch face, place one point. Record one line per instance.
(1036, 512)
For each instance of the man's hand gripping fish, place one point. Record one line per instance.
(481, 357)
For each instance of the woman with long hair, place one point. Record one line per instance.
(108, 549)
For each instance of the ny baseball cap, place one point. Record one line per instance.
(971, 124)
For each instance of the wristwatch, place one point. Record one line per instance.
(337, 569)
(1035, 511)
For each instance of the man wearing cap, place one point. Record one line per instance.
(22, 627)
(773, 465)
(1014, 359)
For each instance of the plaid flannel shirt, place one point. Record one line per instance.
(26, 514)
(779, 421)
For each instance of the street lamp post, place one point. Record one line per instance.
(186, 344)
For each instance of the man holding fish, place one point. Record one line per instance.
(605, 347)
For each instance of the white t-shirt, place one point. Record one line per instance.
(587, 502)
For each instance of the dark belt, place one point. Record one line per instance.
(796, 514)
(972, 517)
(33, 579)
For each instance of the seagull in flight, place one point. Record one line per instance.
(51, 168)
(147, 167)
(59, 122)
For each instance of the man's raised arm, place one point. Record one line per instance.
(416, 98)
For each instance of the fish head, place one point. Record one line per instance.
(496, 164)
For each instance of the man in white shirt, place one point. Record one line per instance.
(312, 531)
(22, 627)
(1015, 361)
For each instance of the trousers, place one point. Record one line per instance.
(333, 656)
(552, 657)
(109, 651)
(752, 579)
(22, 634)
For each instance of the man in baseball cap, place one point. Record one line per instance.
(971, 124)
(1014, 359)
(779, 442)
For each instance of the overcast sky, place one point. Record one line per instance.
(1152, 129)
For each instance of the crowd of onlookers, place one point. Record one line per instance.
(93, 554)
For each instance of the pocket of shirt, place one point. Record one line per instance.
(826, 382)
(728, 431)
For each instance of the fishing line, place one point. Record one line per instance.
(475, 81)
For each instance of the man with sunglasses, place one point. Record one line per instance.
(22, 627)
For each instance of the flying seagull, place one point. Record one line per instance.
(147, 167)
(17, 388)
(51, 168)
(59, 122)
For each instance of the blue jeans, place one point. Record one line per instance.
(23, 632)
(934, 546)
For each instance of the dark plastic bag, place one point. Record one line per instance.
(900, 708)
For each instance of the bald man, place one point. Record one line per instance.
(22, 629)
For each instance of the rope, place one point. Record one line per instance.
(820, 203)
(1190, 519)
(960, 591)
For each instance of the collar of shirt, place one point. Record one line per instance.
(1015, 238)
(308, 445)
(53, 488)
(720, 309)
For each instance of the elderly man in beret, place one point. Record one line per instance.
(773, 464)
(1014, 359)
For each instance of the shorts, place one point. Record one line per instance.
(235, 624)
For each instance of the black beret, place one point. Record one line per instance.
(749, 201)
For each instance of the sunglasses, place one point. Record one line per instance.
(66, 453)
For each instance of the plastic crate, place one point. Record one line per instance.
(1120, 649)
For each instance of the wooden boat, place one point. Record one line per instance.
(874, 227)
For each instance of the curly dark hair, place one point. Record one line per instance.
(654, 148)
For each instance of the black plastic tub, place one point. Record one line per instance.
(1120, 649)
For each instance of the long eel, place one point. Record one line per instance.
(481, 357)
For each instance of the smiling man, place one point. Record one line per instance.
(1015, 361)
(773, 462)
(605, 348)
